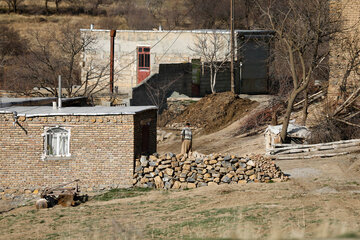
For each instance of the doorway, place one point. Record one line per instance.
(143, 68)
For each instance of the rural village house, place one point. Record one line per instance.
(42, 146)
(140, 55)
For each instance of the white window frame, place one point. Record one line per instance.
(46, 155)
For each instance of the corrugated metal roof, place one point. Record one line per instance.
(76, 111)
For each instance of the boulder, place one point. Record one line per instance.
(176, 185)
(169, 171)
(144, 162)
(158, 182)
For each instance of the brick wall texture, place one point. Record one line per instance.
(340, 54)
(102, 148)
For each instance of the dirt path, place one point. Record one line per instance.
(225, 140)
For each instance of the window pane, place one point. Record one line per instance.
(54, 144)
(49, 150)
(146, 49)
(141, 60)
(147, 60)
(63, 144)
(66, 149)
(57, 140)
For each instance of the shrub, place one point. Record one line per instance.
(330, 130)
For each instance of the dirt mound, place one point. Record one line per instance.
(214, 112)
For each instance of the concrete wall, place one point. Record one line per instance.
(166, 47)
(176, 77)
(178, 47)
(172, 77)
(102, 148)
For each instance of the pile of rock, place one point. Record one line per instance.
(196, 170)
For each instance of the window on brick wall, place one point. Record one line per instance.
(57, 142)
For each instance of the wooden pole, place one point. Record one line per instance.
(59, 93)
(232, 46)
(112, 47)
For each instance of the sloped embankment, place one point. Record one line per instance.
(214, 112)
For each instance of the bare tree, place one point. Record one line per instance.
(52, 54)
(301, 30)
(11, 46)
(210, 13)
(7, 47)
(57, 4)
(349, 45)
(46, 6)
(14, 4)
(94, 74)
(155, 7)
(158, 91)
(214, 50)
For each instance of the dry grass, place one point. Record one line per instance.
(34, 15)
(299, 209)
(24, 23)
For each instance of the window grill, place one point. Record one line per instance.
(57, 142)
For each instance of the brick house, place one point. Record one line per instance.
(42, 146)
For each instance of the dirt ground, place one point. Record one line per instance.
(321, 201)
(214, 112)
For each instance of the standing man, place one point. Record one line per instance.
(186, 138)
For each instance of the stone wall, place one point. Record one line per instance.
(197, 170)
(102, 148)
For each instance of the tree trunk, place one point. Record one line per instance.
(214, 81)
(46, 7)
(9, 7)
(287, 115)
(211, 80)
(305, 108)
(15, 6)
(57, 6)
